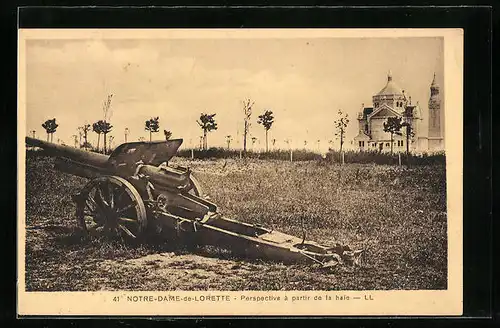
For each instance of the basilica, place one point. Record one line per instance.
(427, 130)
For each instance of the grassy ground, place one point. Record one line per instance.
(397, 215)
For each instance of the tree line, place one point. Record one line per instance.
(207, 124)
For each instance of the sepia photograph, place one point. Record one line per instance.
(252, 168)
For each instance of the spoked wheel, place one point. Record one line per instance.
(110, 206)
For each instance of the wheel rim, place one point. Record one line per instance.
(110, 206)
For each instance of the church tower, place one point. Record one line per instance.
(435, 135)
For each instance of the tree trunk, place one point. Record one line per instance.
(98, 141)
(392, 140)
(52, 137)
(267, 148)
(205, 143)
(341, 139)
(48, 135)
(150, 136)
(408, 131)
(104, 143)
(245, 138)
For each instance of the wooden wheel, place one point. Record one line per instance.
(111, 206)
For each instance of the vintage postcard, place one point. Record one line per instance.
(240, 172)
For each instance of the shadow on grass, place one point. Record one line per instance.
(104, 247)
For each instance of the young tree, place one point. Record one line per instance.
(126, 132)
(153, 126)
(330, 142)
(79, 137)
(254, 139)
(247, 111)
(207, 124)
(393, 126)
(111, 138)
(105, 125)
(407, 124)
(341, 127)
(106, 128)
(97, 128)
(288, 141)
(168, 134)
(85, 129)
(267, 120)
(106, 107)
(50, 127)
(408, 134)
(228, 140)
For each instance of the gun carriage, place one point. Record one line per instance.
(134, 192)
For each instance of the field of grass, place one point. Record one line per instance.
(396, 214)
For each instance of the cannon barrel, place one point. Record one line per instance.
(71, 153)
(89, 165)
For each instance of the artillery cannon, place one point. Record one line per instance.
(134, 192)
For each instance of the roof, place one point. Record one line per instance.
(384, 111)
(362, 136)
(434, 83)
(390, 88)
(366, 111)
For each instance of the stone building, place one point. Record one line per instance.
(435, 137)
(392, 101)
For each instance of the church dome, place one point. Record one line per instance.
(390, 88)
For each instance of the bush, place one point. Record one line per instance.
(333, 156)
(362, 157)
(375, 157)
(214, 152)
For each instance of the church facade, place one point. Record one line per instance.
(425, 132)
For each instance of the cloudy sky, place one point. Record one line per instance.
(303, 81)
